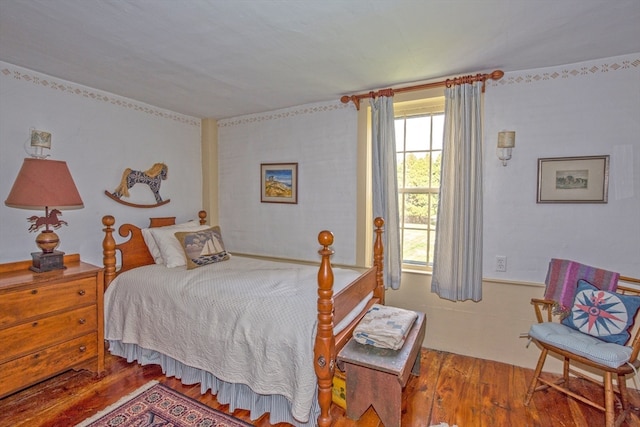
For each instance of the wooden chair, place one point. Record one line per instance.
(560, 342)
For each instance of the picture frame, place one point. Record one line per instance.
(279, 183)
(573, 179)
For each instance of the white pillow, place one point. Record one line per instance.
(153, 245)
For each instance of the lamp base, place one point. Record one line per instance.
(47, 261)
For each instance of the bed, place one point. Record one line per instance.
(261, 335)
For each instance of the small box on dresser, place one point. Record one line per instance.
(49, 322)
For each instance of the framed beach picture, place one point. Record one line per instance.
(573, 179)
(279, 182)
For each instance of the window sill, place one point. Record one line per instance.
(418, 272)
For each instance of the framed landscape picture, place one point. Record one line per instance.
(279, 183)
(573, 179)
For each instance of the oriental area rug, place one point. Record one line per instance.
(155, 404)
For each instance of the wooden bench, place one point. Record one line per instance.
(376, 376)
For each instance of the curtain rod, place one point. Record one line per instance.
(496, 75)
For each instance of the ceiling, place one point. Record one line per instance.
(224, 58)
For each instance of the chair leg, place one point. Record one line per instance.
(609, 415)
(624, 400)
(536, 374)
(622, 387)
(565, 371)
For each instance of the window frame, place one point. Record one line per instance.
(403, 110)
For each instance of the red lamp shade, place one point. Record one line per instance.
(44, 184)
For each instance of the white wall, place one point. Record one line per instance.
(99, 135)
(581, 109)
(321, 139)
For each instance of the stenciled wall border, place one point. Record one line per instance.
(283, 113)
(581, 69)
(78, 90)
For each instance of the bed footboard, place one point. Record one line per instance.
(327, 344)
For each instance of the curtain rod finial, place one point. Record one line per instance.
(496, 75)
(356, 101)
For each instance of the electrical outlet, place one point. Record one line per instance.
(501, 263)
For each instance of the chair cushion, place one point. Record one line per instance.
(605, 315)
(561, 336)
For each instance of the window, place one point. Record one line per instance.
(419, 138)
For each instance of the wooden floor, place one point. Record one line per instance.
(451, 388)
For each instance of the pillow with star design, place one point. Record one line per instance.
(602, 314)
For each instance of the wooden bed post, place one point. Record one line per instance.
(108, 250)
(378, 255)
(324, 348)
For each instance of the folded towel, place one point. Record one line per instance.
(562, 280)
(385, 327)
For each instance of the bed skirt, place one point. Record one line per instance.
(237, 396)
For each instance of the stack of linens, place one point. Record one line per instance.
(385, 327)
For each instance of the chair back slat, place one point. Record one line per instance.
(631, 286)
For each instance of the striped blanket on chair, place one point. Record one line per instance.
(562, 280)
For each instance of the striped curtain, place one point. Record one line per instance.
(457, 265)
(385, 185)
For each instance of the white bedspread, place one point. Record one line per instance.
(245, 320)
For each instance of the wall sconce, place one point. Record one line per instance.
(506, 141)
(39, 141)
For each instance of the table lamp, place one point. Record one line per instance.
(45, 184)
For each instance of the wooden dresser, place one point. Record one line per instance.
(49, 322)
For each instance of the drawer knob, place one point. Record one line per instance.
(82, 321)
(83, 348)
(36, 356)
(34, 324)
(34, 291)
(81, 292)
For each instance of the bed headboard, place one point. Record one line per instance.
(133, 251)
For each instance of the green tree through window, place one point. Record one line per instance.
(419, 153)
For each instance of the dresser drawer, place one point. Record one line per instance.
(35, 367)
(25, 303)
(43, 332)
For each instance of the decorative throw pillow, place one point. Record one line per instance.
(602, 314)
(171, 253)
(202, 247)
(154, 250)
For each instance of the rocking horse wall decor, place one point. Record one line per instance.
(152, 177)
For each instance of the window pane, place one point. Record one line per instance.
(438, 131)
(414, 247)
(433, 210)
(416, 210)
(436, 157)
(418, 133)
(432, 245)
(416, 168)
(400, 169)
(399, 128)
